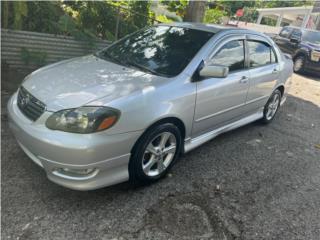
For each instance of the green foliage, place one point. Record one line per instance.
(213, 16)
(4, 14)
(278, 3)
(34, 57)
(163, 18)
(232, 6)
(20, 10)
(84, 20)
(179, 6)
(39, 16)
(138, 8)
(250, 14)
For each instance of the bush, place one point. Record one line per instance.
(213, 16)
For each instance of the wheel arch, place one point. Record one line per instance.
(174, 120)
(281, 89)
(300, 53)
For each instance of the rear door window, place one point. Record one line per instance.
(260, 54)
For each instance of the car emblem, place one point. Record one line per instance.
(24, 101)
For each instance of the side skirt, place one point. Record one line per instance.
(191, 144)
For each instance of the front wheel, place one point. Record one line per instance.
(155, 153)
(271, 107)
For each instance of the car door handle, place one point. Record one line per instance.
(244, 79)
(274, 71)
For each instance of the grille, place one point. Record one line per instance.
(30, 106)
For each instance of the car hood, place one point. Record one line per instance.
(79, 81)
(313, 46)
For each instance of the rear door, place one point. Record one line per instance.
(263, 69)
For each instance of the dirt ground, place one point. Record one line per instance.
(256, 182)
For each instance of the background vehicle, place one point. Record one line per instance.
(129, 111)
(304, 47)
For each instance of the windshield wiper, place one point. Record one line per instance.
(144, 69)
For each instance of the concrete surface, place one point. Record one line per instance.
(257, 182)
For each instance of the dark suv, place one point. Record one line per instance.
(304, 47)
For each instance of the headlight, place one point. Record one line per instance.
(83, 119)
(315, 55)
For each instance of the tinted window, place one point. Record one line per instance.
(161, 50)
(296, 34)
(260, 54)
(285, 32)
(230, 55)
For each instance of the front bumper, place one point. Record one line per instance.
(107, 155)
(312, 66)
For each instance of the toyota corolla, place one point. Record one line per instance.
(128, 111)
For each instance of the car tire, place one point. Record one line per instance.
(271, 107)
(298, 64)
(155, 153)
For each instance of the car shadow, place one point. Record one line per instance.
(312, 76)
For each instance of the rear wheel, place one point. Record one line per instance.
(155, 153)
(298, 64)
(271, 107)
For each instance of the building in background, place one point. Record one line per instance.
(305, 17)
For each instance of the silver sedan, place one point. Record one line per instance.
(128, 111)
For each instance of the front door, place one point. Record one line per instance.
(220, 100)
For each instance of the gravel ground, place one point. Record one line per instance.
(256, 182)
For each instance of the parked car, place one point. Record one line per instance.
(304, 47)
(128, 111)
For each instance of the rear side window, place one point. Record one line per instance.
(230, 55)
(260, 54)
(285, 32)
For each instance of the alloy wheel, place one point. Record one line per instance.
(273, 106)
(159, 154)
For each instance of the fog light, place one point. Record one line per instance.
(79, 171)
(76, 174)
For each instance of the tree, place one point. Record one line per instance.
(213, 16)
(179, 6)
(195, 11)
(140, 10)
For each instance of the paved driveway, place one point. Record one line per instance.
(257, 182)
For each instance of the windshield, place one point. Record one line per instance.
(312, 37)
(160, 50)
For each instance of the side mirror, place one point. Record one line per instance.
(215, 71)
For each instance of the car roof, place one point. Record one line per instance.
(213, 28)
(200, 26)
